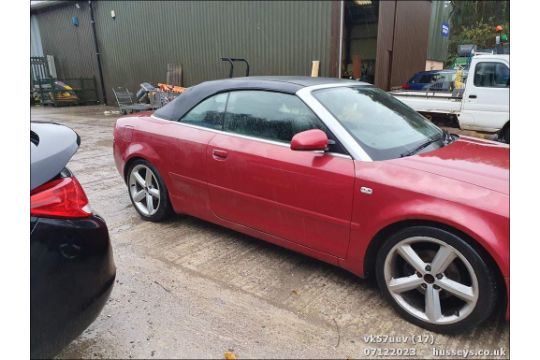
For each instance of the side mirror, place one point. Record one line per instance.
(310, 140)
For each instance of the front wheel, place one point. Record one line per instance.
(147, 191)
(435, 279)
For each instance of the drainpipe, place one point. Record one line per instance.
(98, 54)
(391, 52)
(340, 55)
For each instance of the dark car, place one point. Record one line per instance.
(72, 269)
(434, 80)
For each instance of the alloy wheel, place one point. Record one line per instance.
(144, 189)
(431, 280)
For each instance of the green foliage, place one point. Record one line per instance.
(473, 22)
(469, 13)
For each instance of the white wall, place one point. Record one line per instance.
(434, 65)
(36, 49)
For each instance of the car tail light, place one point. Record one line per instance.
(63, 197)
(406, 86)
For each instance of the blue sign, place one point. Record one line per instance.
(445, 29)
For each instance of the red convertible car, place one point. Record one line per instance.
(338, 170)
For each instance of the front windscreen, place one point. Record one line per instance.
(384, 127)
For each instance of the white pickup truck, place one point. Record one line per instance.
(484, 104)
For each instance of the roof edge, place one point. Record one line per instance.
(46, 5)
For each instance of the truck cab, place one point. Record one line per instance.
(483, 105)
(486, 100)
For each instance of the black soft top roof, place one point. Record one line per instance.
(286, 84)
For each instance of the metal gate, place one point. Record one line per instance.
(46, 89)
(41, 82)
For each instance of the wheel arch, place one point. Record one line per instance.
(140, 151)
(379, 238)
(128, 164)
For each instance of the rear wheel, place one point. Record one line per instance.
(506, 134)
(435, 279)
(147, 191)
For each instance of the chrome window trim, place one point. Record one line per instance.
(247, 137)
(331, 122)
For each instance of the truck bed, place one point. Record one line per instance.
(432, 102)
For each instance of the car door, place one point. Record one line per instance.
(185, 150)
(487, 96)
(256, 180)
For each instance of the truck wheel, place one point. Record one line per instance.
(506, 134)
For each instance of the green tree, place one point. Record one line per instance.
(474, 22)
(469, 13)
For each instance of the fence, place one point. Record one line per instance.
(47, 90)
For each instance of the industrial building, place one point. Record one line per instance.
(123, 43)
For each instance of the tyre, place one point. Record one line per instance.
(435, 279)
(506, 134)
(147, 191)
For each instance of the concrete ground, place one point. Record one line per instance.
(186, 288)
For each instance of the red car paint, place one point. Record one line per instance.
(310, 140)
(310, 201)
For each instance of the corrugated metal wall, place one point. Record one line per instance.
(72, 47)
(410, 40)
(385, 43)
(438, 44)
(402, 41)
(278, 38)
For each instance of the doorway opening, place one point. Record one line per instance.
(361, 22)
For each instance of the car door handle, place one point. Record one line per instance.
(219, 154)
(472, 96)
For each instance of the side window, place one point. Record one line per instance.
(415, 79)
(272, 116)
(502, 75)
(425, 79)
(492, 74)
(208, 113)
(268, 115)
